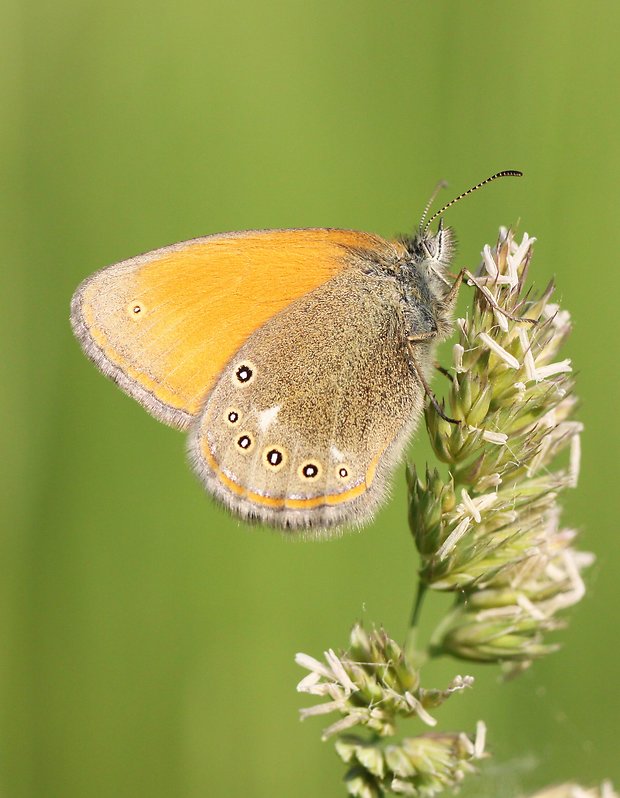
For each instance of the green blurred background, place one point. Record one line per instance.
(147, 638)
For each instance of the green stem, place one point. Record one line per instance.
(413, 654)
(434, 649)
(417, 607)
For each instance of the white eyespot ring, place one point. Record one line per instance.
(243, 373)
(136, 309)
(309, 471)
(274, 457)
(245, 442)
(232, 416)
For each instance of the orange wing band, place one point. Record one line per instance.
(331, 499)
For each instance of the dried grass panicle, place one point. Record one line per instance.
(372, 684)
(490, 530)
(421, 766)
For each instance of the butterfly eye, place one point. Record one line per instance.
(310, 471)
(136, 309)
(244, 373)
(245, 442)
(274, 458)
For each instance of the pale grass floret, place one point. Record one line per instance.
(499, 350)
(339, 671)
(562, 367)
(470, 506)
(416, 705)
(321, 709)
(474, 507)
(338, 726)
(561, 318)
(489, 262)
(312, 664)
(490, 481)
(518, 255)
(498, 438)
(453, 538)
(460, 683)
(528, 357)
(480, 739)
(457, 353)
(312, 684)
(501, 319)
(530, 608)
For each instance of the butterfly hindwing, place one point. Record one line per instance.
(309, 416)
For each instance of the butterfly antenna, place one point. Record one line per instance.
(441, 185)
(504, 173)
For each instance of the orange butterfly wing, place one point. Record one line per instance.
(164, 324)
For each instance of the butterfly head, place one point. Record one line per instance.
(436, 250)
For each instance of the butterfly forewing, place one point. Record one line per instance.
(164, 324)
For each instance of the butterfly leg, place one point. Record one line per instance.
(437, 365)
(450, 298)
(420, 374)
(465, 273)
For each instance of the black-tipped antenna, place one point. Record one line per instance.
(505, 173)
(442, 184)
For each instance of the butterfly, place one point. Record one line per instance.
(297, 360)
